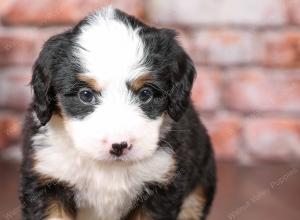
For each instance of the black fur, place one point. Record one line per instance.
(55, 77)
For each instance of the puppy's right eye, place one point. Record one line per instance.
(87, 96)
(145, 94)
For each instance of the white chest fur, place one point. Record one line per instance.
(105, 190)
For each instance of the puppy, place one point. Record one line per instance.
(111, 133)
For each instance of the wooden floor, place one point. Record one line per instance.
(268, 192)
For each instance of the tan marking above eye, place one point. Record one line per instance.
(140, 81)
(93, 84)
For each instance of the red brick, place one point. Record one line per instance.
(225, 47)
(225, 132)
(262, 90)
(206, 90)
(225, 12)
(14, 89)
(10, 129)
(49, 12)
(132, 7)
(293, 7)
(4, 6)
(281, 49)
(21, 46)
(273, 138)
(17, 47)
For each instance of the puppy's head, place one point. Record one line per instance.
(112, 81)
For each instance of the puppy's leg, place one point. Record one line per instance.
(44, 201)
(163, 205)
(33, 201)
(139, 214)
(174, 206)
(57, 211)
(193, 205)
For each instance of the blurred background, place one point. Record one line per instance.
(247, 53)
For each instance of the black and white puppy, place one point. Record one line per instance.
(111, 133)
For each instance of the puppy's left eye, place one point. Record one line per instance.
(145, 94)
(87, 96)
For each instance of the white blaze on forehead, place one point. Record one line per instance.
(111, 53)
(110, 49)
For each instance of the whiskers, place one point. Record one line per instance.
(171, 148)
(154, 86)
(180, 130)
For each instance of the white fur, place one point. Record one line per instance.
(75, 151)
(112, 55)
(106, 190)
(109, 49)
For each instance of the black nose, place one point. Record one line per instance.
(118, 148)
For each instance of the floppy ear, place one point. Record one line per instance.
(179, 96)
(43, 100)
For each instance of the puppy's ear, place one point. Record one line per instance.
(44, 97)
(179, 96)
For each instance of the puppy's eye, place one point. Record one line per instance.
(86, 96)
(145, 94)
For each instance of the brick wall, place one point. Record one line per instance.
(247, 53)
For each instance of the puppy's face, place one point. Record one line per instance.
(113, 81)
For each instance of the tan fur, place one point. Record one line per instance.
(90, 81)
(43, 180)
(193, 205)
(56, 211)
(139, 82)
(139, 214)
